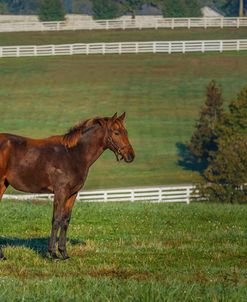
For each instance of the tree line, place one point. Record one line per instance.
(108, 9)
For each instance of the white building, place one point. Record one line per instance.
(209, 12)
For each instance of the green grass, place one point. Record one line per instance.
(126, 252)
(162, 95)
(34, 38)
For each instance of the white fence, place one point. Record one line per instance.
(124, 48)
(150, 194)
(123, 24)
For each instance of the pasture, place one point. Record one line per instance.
(86, 36)
(162, 95)
(126, 252)
(122, 251)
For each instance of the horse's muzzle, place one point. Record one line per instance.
(129, 158)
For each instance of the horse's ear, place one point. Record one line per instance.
(114, 117)
(122, 117)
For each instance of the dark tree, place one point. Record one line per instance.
(51, 10)
(105, 9)
(180, 8)
(131, 6)
(20, 6)
(203, 140)
(3, 8)
(225, 179)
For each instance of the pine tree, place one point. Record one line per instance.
(51, 10)
(105, 9)
(180, 8)
(130, 6)
(225, 179)
(203, 140)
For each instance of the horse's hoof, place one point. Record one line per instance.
(63, 254)
(54, 257)
(3, 258)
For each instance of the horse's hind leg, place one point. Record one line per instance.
(3, 186)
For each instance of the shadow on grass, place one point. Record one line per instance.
(189, 162)
(39, 245)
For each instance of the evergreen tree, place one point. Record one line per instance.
(3, 8)
(180, 8)
(203, 140)
(51, 10)
(130, 6)
(225, 179)
(105, 9)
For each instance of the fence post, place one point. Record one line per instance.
(170, 47)
(132, 197)
(188, 195)
(203, 46)
(172, 23)
(160, 195)
(154, 47)
(156, 23)
(35, 50)
(238, 45)
(183, 47)
(124, 25)
(221, 23)
(53, 50)
(1, 52)
(221, 46)
(189, 23)
(238, 22)
(105, 196)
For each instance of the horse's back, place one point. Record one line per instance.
(28, 163)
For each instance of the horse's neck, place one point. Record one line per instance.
(92, 145)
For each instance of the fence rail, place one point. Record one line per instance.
(151, 194)
(124, 48)
(123, 24)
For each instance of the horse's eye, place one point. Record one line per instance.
(116, 132)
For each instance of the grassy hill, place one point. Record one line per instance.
(161, 94)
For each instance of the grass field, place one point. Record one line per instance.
(126, 252)
(161, 94)
(35, 38)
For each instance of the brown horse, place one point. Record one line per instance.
(59, 165)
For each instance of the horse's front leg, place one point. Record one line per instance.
(58, 209)
(64, 226)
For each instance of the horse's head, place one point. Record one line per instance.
(117, 139)
(115, 135)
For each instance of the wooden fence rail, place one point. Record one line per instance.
(150, 194)
(124, 47)
(123, 24)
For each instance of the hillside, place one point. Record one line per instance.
(161, 95)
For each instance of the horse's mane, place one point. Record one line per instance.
(71, 138)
